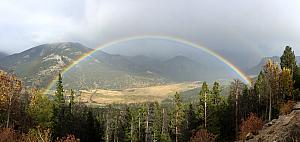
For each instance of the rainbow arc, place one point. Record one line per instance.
(238, 71)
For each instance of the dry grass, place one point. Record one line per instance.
(134, 95)
(287, 107)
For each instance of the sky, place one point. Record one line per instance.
(238, 30)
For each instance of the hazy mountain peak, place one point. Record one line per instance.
(256, 69)
(3, 54)
(180, 58)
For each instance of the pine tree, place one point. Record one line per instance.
(59, 91)
(72, 97)
(286, 84)
(178, 116)
(259, 88)
(149, 123)
(129, 125)
(216, 91)
(204, 96)
(58, 110)
(157, 122)
(236, 88)
(190, 123)
(288, 60)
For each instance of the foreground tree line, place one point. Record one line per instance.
(29, 115)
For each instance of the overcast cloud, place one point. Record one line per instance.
(237, 29)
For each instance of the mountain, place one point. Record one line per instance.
(40, 64)
(2, 55)
(256, 69)
(103, 70)
(181, 68)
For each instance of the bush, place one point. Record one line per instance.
(35, 135)
(287, 107)
(203, 136)
(7, 135)
(69, 138)
(252, 125)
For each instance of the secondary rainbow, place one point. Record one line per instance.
(245, 78)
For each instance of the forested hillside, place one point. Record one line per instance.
(29, 115)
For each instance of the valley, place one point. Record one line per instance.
(134, 95)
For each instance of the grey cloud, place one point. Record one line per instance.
(242, 31)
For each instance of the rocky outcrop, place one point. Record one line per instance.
(284, 129)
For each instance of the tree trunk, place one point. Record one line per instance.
(176, 128)
(205, 106)
(131, 128)
(270, 106)
(107, 123)
(8, 111)
(236, 113)
(147, 125)
(163, 121)
(139, 127)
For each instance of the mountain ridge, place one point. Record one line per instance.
(41, 64)
(3, 54)
(256, 69)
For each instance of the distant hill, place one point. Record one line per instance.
(256, 69)
(2, 55)
(181, 68)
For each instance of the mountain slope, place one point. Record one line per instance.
(181, 68)
(106, 71)
(40, 64)
(2, 55)
(256, 69)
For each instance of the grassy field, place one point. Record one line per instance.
(134, 95)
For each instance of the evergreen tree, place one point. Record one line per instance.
(236, 88)
(288, 60)
(286, 85)
(157, 122)
(59, 94)
(142, 112)
(177, 117)
(129, 125)
(59, 129)
(260, 90)
(204, 97)
(216, 93)
(190, 122)
(72, 97)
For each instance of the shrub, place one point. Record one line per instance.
(203, 136)
(69, 138)
(287, 107)
(34, 135)
(252, 125)
(7, 135)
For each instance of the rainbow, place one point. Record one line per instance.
(238, 71)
